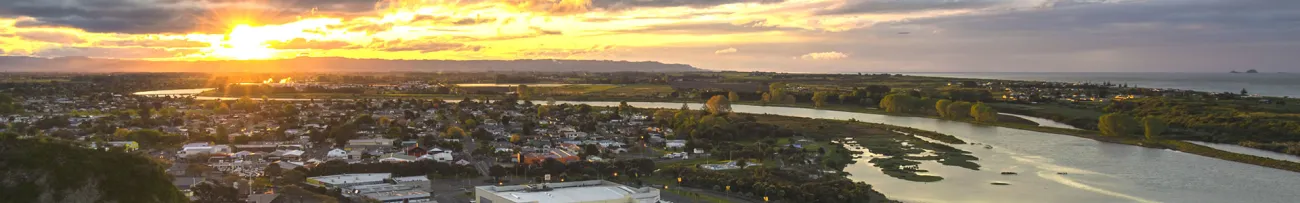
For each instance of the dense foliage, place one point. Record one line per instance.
(1116, 124)
(37, 170)
(1219, 121)
(983, 113)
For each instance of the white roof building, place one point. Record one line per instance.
(578, 191)
(344, 180)
(337, 153)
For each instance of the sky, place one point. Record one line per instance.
(742, 35)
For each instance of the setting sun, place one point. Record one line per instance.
(244, 43)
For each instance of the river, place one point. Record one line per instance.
(1095, 171)
(1043, 121)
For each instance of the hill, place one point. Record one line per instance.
(50, 171)
(327, 64)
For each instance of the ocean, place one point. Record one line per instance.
(1265, 84)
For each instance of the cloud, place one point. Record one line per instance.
(726, 51)
(300, 43)
(107, 52)
(117, 16)
(549, 7)
(163, 43)
(51, 36)
(422, 45)
(830, 55)
(563, 52)
(632, 4)
(897, 6)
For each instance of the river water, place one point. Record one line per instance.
(1043, 121)
(1093, 171)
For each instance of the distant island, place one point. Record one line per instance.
(329, 64)
(1247, 71)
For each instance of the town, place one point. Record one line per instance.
(548, 137)
(385, 149)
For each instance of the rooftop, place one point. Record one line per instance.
(579, 191)
(351, 178)
(398, 195)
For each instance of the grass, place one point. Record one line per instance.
(702, 197)
(882, 140)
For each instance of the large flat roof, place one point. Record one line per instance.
(581, 191)
(399, 195)
(352, 178)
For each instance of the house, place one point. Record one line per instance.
(369, 144)
(562, 155)
(439, 157)
(675, 144)
(337, 154)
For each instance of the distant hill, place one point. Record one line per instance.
(49, 171)
(327, 64)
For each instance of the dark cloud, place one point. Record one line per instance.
(116, 16)
(51, 36)
(300, 43)
(107, 52)
(903, 6)
(169, 16)
(1157, 35)
(629, 4)
(152, 43)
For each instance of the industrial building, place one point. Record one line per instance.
(567, 192)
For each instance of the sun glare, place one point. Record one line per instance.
(244, 43)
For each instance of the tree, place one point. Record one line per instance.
(1243, 92)
(898, 103)
(718, 105)
(624, 108)
(741, 163)
(663, 117)
(215, 193)
(496, 171)
(1152, 127)
(845, 97)
(766, 98)
(514, 138)
(553, 166)
(733, 96)
(272, 170)
(454, 132)
(7, 105)
(941, 107)
(1116, 124)
(777, 90)
(958, 110)
(984, 113)
(524, 92)
(819, 99)
(222, 108)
